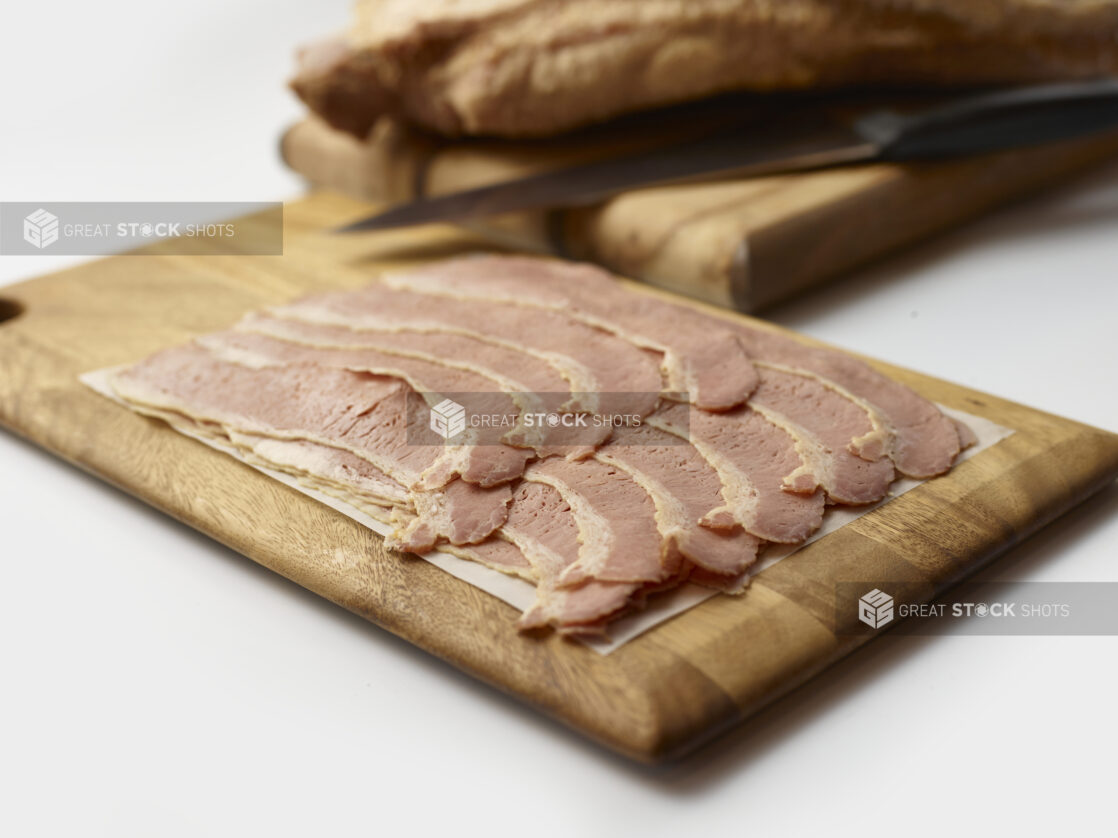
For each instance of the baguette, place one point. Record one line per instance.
(519, 68)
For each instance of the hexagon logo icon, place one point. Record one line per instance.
(875, 608)
(448, 418)
(40, 228)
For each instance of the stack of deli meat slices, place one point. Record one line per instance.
(734, 436)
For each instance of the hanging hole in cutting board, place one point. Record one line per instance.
(9, 310)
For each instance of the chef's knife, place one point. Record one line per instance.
(972, 124)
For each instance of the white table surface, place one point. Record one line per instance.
(154, 683)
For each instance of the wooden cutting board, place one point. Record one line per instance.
(747, 243)
(659, 695)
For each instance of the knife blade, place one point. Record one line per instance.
(813, 139)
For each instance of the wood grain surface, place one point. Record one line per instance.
(659, 695)
(746, 243)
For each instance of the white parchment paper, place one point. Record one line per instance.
(520, 594)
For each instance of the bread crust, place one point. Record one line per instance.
(519, 68)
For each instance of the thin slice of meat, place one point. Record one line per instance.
(920, 440)
(344, 476)
(489, 393)
(377, 511)
(823, 424)
(638, 599)
(459, 512)
(967, 437)
(330, 470)
(543, 527)
(433, 380)
(619, 540)
(478, 453)
(591, 603)
(735, 584)
(752, 457)
(326, 463)
(363, 414)
(421, 518)
(614, 375)
(700, 358)
(497, 554)
(516, 370)
(685, 489)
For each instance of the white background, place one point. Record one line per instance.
(155, 683)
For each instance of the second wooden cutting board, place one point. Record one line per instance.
(744, 244)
